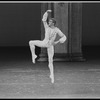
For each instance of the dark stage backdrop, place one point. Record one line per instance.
(19, 23)
(91, 24)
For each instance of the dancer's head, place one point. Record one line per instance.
(52, 22)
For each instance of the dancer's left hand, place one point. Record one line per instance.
(55, 42)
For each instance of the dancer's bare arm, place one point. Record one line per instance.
(44, 19)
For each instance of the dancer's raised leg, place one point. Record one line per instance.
(32, 45)
(32, 48)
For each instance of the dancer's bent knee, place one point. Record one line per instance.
(30, 43)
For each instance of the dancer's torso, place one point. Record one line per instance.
(50, 35)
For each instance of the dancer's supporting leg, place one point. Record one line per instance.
(50, 59)
(32, 45)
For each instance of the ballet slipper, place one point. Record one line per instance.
(34, 57)
(52, 78)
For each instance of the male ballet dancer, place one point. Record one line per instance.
(49, 41)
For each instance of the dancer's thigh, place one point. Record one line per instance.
(50, 52)
(38, 43)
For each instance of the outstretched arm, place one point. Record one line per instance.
(44, 19)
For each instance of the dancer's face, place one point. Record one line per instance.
(51, 23)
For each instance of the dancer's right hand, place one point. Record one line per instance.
(49, 10)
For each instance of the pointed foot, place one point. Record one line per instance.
(34, 57)
(52, 78)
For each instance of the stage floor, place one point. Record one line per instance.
(20, 78)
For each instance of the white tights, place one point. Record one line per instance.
(50, 51)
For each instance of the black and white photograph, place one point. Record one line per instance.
(49, 49)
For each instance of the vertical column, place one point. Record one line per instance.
(61, 16)
(75, 32)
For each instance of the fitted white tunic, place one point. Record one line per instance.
(50, 33)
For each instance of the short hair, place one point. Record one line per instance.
(54, 21)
